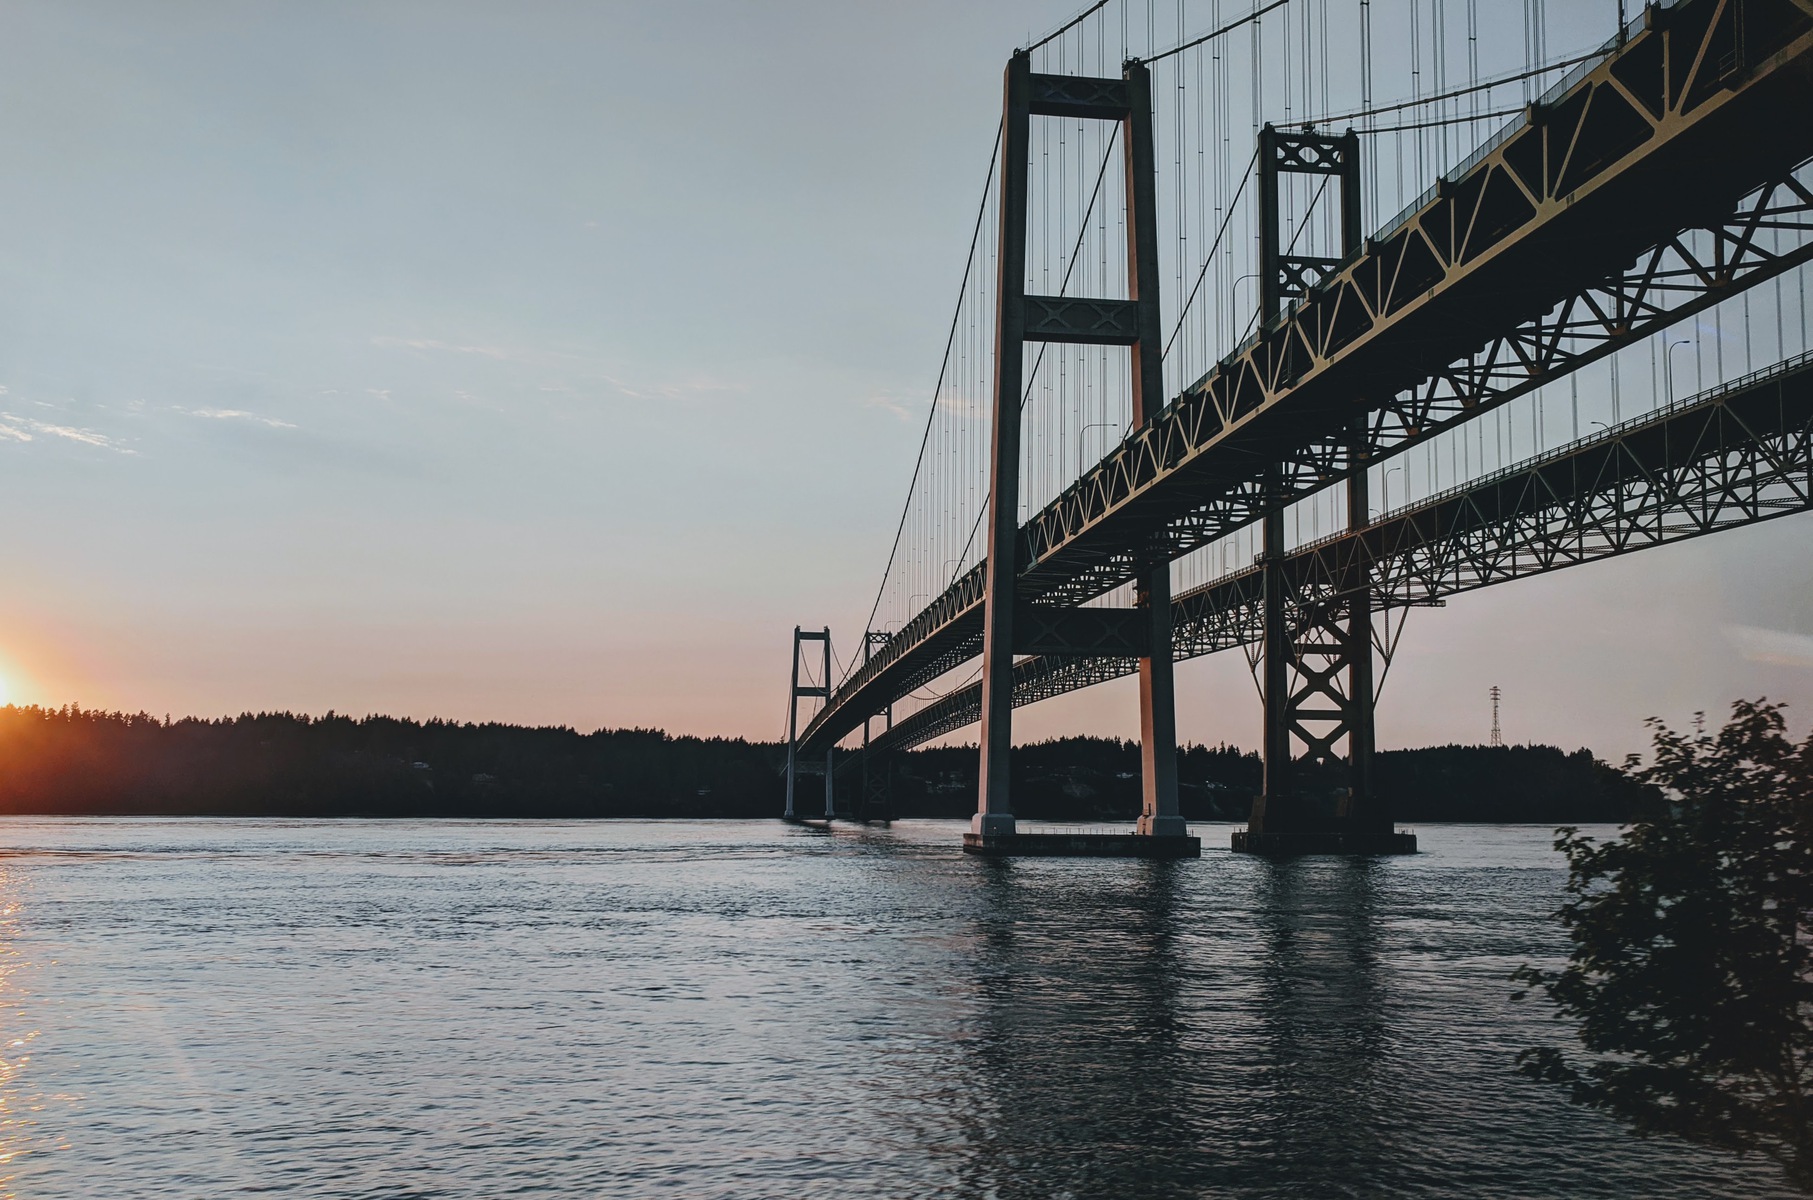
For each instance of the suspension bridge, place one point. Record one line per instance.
(1124, 466)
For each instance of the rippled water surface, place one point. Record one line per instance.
(442, 1009)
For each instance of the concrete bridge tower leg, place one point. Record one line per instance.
(793, 729)
(830, 776)
(1159, 815)
(1159, 812)
(1271, 810)
(994, 806)
(1365, 811)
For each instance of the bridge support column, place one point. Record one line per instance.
(1318, 687)
(1317, 634)
(994, 805)
(1270, 810)
(1364, 811)
(1159, 815)
(792, 730)
(796, 693)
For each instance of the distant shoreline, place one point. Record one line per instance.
(74, 762)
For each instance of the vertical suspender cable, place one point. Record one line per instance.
(949, 341)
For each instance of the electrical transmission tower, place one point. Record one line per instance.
(1498, 739)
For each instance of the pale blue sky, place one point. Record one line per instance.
(549, 362)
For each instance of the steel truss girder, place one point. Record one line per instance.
(1138, 505)
(1690, 272)
(1733, 457)
(1663, 132)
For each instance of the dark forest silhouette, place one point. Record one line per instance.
(76, 761)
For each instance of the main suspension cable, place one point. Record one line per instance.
(1421, 101)
(1467, 120)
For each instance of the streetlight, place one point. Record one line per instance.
(1385, 489)
(1668, 366)
(1082, 436)
(1234, 292)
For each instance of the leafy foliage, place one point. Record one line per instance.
(1691, 966)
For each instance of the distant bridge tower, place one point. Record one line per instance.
(796, 693)
(1011, 627)
(1498, 739)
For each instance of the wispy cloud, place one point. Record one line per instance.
(235, 414)
(1774, 646)
(677, 391)
(24, 429)
(437, 344)
(891, 403)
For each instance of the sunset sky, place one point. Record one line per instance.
(550, 362)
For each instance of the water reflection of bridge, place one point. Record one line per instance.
(1292, 1027)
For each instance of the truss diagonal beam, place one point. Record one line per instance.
(1731, 457)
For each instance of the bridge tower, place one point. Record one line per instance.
(796, 693)
(1010, 626)
(1317, 678)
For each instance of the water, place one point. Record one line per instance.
(699, 1009)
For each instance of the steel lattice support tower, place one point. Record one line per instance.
(1316, 673)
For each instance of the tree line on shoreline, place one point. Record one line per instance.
(78, 761)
